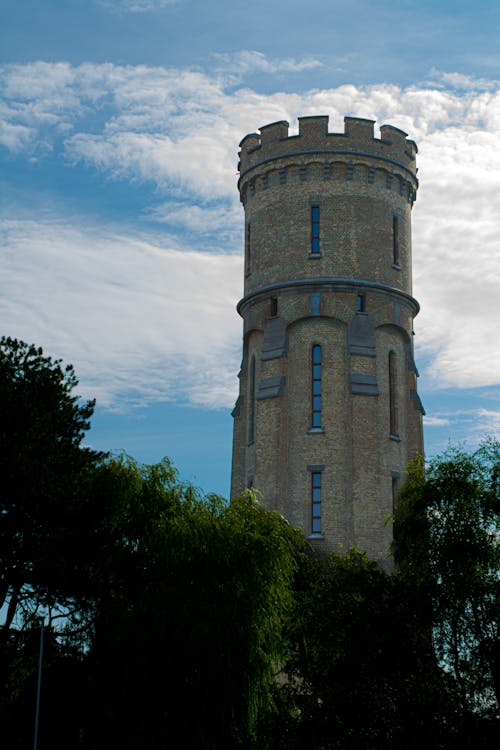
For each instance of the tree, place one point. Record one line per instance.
(188, 631)
(42, 424)
(356, 664)
(159, 599)
(448, 548)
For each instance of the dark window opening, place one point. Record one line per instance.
(316, 502)
(360, 303)
(274, 306)
(314, 230)
(248, 248)
(251, 403)
(395, 240)
(395, 489)
(316, 375)
(393, 407)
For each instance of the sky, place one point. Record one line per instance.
(122, 243)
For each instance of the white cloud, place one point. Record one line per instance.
(139, 321)
(135, 6)
(456, 266)
(430, 421)
(462, 81)
(14, 137)
(252, 61)
(458, 425)
(489, 420)
(199, 164)
(222, 223)
(179, 130)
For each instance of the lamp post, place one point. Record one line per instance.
(39, 686)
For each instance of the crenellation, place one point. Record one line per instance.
(275, 142)
(394, 136)
(314, 127)
(360, 129)
(411, 149)
(250, 141)
(275, 131)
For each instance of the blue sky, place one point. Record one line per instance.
(121, 225)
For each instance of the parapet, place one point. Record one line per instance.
(274, 142)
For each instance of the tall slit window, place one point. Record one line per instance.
(316, 502)
(395, 239)
(316, 374)
(314, 230)
(395, 489)
(393, 406)
(251, 403)
(248, 248)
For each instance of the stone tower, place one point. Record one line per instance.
(328, 414)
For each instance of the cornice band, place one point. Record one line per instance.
(330, 283)
(342, 152)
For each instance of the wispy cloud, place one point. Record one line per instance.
(179, 129)
(431, 421)
(461, 81)
(140, 321)
(490, 421)
(135, 6)
(252, 61)
(457, 425)
(222, 222)
(15, 137)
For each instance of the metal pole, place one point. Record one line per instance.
(39, 688)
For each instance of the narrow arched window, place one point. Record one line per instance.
(395, 239)
(251, 402)
(248, 248)
(395, 499)
(316, 502)
(316, 375)
(393, 406)
(395, 490)
(315, 230)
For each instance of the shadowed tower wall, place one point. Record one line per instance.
(328, 414)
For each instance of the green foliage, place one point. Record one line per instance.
(158, 599)
(357, 664)
(176, 615)
(41, 463)
(448, 547)
(190, 612)
(184, 600)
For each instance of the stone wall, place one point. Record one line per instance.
(352, 296)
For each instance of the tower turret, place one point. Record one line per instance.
(328, 413)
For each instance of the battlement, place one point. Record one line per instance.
(273, 142)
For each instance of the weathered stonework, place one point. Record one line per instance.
(352, 297)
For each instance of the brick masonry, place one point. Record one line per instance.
(294, 298)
